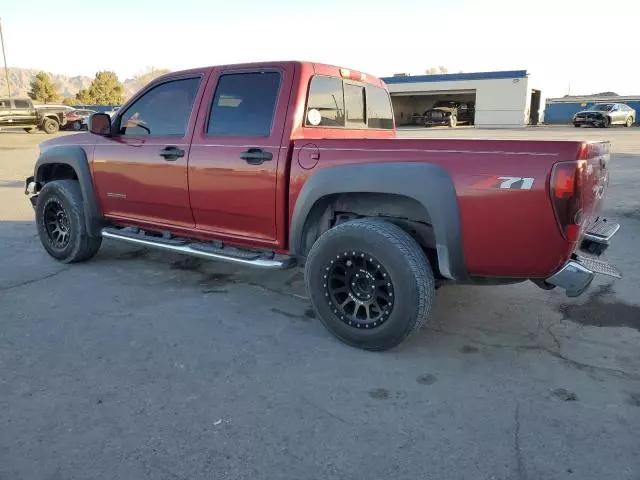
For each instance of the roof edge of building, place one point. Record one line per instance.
(447, 77)
(587, 99)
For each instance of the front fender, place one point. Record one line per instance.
(76, 158)
(428, 184)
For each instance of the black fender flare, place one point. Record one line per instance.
(76, 158)
(429, 184)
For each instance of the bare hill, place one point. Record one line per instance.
(68, 86)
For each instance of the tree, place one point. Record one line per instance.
(105, 89)
(84, 98)
(70, 101)
(42, 89)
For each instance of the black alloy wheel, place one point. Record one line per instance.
(359, 289)
(61, 222)
(370, 283)
(57, 225)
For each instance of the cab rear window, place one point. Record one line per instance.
(335, 103)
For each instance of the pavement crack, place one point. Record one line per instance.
(33, 280)
(589, 367)
(517, 450)
(553, 336)
(273, 290)
(325, 411)
(554, 353)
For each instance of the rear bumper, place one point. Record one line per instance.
(574, 278)
(577, 274)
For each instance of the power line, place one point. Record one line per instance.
(4, 56)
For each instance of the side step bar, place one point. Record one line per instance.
(198, 250)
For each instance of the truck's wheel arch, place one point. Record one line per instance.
(71, 163)
(427, 188)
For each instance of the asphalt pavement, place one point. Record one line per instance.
(145, 365)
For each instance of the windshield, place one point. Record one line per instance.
(602, 107)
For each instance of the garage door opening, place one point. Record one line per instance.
(448, 108)
(534, 111)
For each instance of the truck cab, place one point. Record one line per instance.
(22, 113)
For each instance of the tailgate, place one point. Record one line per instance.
(595, 180)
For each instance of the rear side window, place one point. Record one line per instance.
(354, 104)
(21, 104)
(244, 104)
(162, 111)
(326, 97)
(334, 103)
(379, 112)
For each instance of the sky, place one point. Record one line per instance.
(567, 46)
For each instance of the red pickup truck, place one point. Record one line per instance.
(293, 163)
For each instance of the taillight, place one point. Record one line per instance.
(566, 196)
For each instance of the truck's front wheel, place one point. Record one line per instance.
(370, 283)
(50, 126)
(61, 222)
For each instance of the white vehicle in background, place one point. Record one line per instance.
(111, 113)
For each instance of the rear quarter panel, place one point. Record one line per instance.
(505, 232)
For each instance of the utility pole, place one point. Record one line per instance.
(4, 56)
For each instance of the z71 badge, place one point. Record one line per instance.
(508, 183)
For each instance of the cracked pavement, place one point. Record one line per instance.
(145, 365)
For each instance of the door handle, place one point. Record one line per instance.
(171, 154)
(256, 156)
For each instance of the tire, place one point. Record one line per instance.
(393, 256)
(606, 123)
(50, 126)
(453, 121)
(629, 122)
(60, 207)
(77, 125)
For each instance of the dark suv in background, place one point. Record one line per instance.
(22, 113)
(449, 112)
(605, 114)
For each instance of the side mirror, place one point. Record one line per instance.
(100, 124)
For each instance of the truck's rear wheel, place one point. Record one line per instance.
(370, 283)
(50, 126)
(60, 219)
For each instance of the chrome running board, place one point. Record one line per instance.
(200, 250)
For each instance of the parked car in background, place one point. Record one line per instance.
(22, 113)
(605, 114)
(78, 119)
(111, 113)
(451, 113)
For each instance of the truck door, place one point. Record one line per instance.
(24, 113)
(237, 153)
(141, 171)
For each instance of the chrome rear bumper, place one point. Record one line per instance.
(573, 278)
(577, 274)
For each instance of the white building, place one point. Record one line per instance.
(501, 99)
